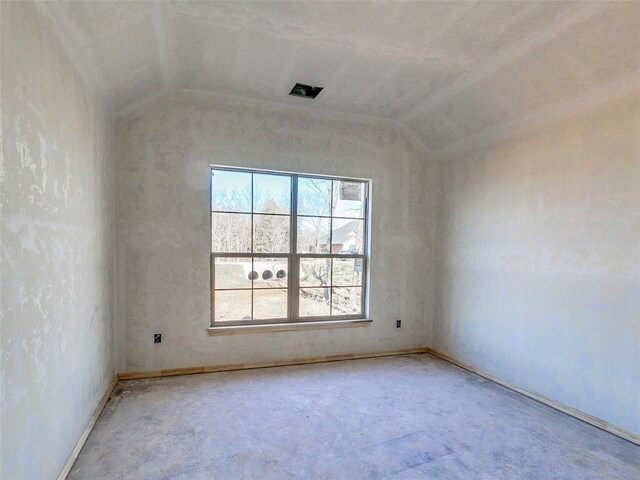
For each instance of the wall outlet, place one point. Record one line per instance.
(398, 323)
(157, 338)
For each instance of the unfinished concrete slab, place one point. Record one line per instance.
(403, 417)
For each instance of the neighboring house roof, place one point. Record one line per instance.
(342, 234)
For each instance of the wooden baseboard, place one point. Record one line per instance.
(85, 434)
(277, 363)
(580, 415)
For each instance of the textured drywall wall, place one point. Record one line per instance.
(163, 277)
(539, 261)
(57, 348)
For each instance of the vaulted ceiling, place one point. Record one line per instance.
(448, 72)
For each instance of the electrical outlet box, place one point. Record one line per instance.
(398, 323)
(157, 338)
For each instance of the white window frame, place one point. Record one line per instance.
(293, 257)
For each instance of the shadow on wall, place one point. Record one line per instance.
(538, 261)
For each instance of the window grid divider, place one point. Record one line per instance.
(294, 262)
(252, 249)
(331, 247)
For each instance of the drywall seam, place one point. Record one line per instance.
(85, 434)
(578, 414)
(72, 45)
(114, 259)
(503, 57)
(164, 51)
(134, 109)
(452, 18)
(549, 113)
(320, 113)
(415, 139)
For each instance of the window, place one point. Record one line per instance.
(287, 247)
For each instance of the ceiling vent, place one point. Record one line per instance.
(305, 91)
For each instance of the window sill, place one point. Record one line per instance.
(286, 327)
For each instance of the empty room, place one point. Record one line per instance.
(270, 240)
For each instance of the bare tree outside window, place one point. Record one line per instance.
(286, 247)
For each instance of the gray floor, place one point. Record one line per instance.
(402, 417)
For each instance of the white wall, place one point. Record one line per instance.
(163, 220)
(539, 261)
(536, 277)
(57, 343)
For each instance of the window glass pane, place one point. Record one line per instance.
(251, 215)
(315, 272)
(271, 193)
(232, 305)
(314, 302)
(269, 304)
(313, 234)
(347, 271)
(347, 236)
(348, 199)
(346, 301)
(230, 191)
(314, 196)
(231, 232)
(271, 233)
(232, 272)
(270, 272)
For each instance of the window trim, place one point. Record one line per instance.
(293, 318)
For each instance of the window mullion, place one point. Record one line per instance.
(331, 250)
(294, 259)
(252, 248)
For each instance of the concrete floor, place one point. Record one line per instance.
(403, 417)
